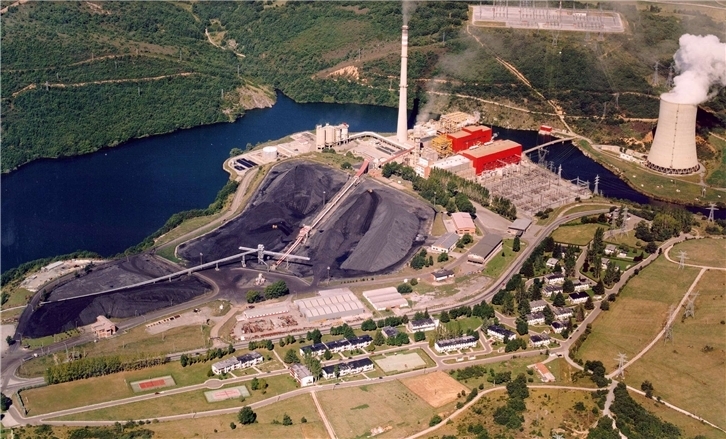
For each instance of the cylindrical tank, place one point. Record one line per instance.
(344, 132)
(337, 135)
(674, 146)
(319, 137)
(329, 135)
(269, 152)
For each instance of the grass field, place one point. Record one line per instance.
(708, 252)
(218, 426)
(83, 392)
(437, 388)
(463, 324)
(575, 233)
(574, 208)
(516, 366)
(638, 314)
(718, 176)
(689, 426)
(498, 263)
(17, 297)
(548, 410)
(438, 228)
(353, 412)
(681, 372)
(187, 402)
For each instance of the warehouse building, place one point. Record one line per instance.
(485, 249)
(469, 136)
(494, 155)
(331, 304)
(385, 298)
(263, 311)
(445, 243)
(457, 165)
(463, 223)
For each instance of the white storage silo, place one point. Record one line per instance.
(319, 137)
(337, 135)
(674, 146)
(329, 135)
(344, 132)
(269, 152)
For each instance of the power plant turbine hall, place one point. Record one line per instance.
(402, 127)
(701, 63)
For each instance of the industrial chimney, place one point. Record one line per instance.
(674, 145)
(402, 128)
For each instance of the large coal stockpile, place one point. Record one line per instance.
(373, 231)
(54, 317)
(291, 194)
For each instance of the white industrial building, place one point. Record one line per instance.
(673, 150)
(385, 298)
(445, 243)
(263, 311)
(330, 135)
(330, 304)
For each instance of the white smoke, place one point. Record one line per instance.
(701, 62)
(407, 8)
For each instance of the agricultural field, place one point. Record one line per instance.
(638, 314)
(689, 370)
(187, 402)
(708, 252)
(219, 426)
(575, 233)
(548, 411)
(353, 412)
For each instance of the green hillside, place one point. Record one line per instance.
(117, 65)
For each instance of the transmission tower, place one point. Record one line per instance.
(597, 185)
(621, 362)
(691, 307)
(655, 75)
(682, 259)
(624, 222)
(711, 209)
(668, 337)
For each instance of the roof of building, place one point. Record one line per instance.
(249, 356)
(422, 322)
(542, 369)
(317, 347)
(579, 295)
(452, 162)
(456, 341)
(443, 272)
(300, 370)
(537, 303)
(491, 148)
(390, 331)
(337, 343)
(535, 316)
(365, 338)
(459, 135)
(610, 247)
(446, 241)
(520, 224)
(462, 220)
(552, 261)
(499, 330)
(561, 311)
(539, 337)
(102, 322)
(554, 276)
(229, 362)
(383, 298)
(557, 325)
(476, 128)
(487, 244)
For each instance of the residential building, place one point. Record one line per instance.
(500, 333)
(336, 346)
(452, 344)
(535, 318)
(360, 342)
(226, 366)
(604, 263)
(544, 373)
(581, 286)
(463, 223)
(250, 359)
(562, 314)
(302, 375)
(550, 290)
(422, 325)
(442, 275)
(551, 262)
(554, 278)
(445, 244)
(389, 331)
(578, 297)
(350, 368)
(103, 328)
(558, 327)
(537, 305)
(610, 249)
(316, 349)
(539, 340)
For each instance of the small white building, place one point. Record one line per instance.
(500, 333)
(610, 249)
(350, 368)
(226, 366)
(551, 262)
(550, 290)
(558, 327)
(302, 375)
(581, 286)
(453, 344)
(554, 279)
(442, 275)
(539, 340)
(445, 243)
(578, 298)
(535, 318)
(103, 328)
(422, 325)
(544, 373)
(562, 314)
(537, 305)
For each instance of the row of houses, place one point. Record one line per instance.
(234, 363)
(350, 368)
(454, 344)
(336, 346)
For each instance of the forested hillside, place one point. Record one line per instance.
(118, 70)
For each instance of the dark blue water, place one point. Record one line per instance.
(110, 200)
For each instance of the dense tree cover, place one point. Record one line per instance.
(603, 430)
(22, 270)
(88, 367)
(315, 336)
(127, 430)
(276, 289)
(635, 421)
(343, 330)
(211, 354)
(399, 339)
(246, 416)
(5, 402)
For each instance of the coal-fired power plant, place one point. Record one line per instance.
(674, 145)
(402, 127)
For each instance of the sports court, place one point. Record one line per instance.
(153, 383)
(400, 362)
(223, 394)
(437, 388)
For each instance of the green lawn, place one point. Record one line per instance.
(17, 297)
(718, 176)
(709, 252)
(638, 314)
(498, 263)
(576, 233)
(463, 324)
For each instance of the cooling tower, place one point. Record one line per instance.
(674, 145)
(402, 127)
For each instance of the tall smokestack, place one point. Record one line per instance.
(402, 128)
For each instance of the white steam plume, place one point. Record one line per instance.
(407, 8)
(701, 62)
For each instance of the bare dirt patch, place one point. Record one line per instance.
(437, 388)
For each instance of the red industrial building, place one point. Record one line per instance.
(494, 155)
(469, 136)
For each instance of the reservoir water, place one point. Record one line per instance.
(112, 199)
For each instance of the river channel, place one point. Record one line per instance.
(110, 200)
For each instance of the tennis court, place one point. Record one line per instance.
(223, 394)
(153, 383)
